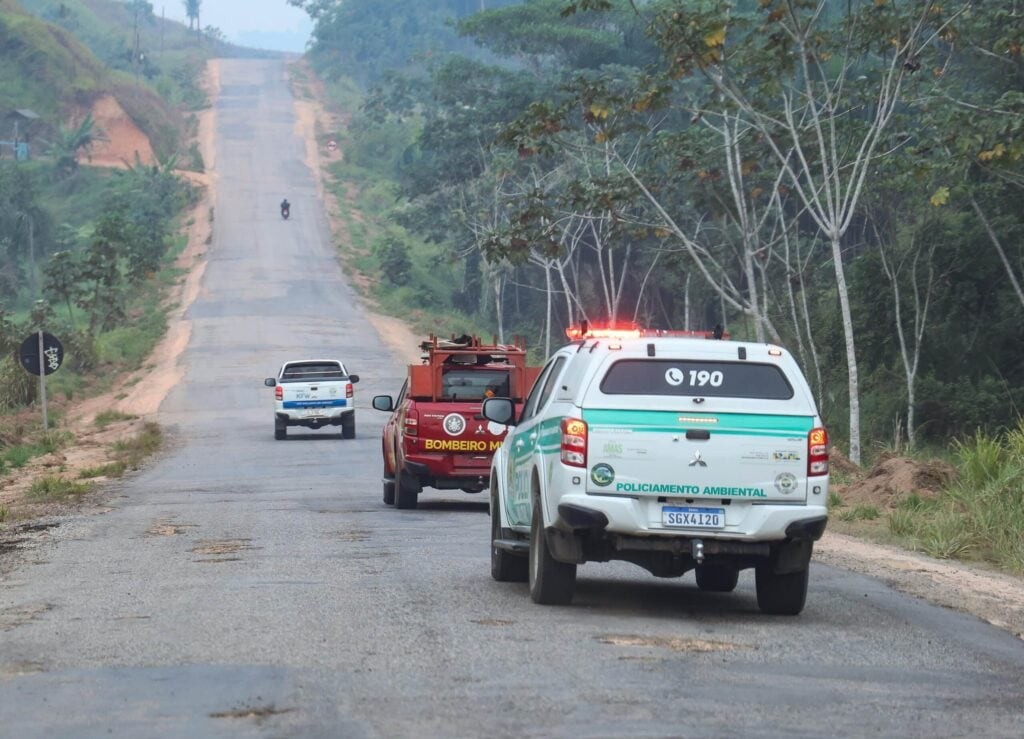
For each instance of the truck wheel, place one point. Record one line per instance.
(280, 431)
(783, 595)
(406, 490)
(505, 566)
(717, 578)
(389, 492)
(348, 427)
(551, 582)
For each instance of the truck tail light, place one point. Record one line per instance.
(574, 442)
(279, 393)
(412, 423)
(817, 452)
(348, 390)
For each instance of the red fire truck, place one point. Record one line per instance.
(436, 436)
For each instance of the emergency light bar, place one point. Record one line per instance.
(632, 331)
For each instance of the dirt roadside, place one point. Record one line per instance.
(138, 394)
(991, 596)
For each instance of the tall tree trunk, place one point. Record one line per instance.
(851, 352)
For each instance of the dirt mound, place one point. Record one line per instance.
(122, 139)
(893, 478)
(839, 462)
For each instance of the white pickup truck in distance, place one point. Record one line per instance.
(313, 393)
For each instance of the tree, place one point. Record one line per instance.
(192, 8)
(64, 279)
(821, 91)
(71, 140)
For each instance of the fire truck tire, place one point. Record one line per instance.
(551, 582)
(389, 492)
(406, 490)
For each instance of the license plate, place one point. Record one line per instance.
(693, 518)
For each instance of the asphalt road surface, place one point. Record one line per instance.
(246, 587)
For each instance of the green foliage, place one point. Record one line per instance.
(134, 451)
(105, 418)
(860, 513)
(392, 253)
(360, 38)
(554, 143)
(54, 488)
(111, 469)
(982, 514)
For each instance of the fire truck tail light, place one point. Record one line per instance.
(817, 452)
(279, 393)
(412, 423)
(574, 442)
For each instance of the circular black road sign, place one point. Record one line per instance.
(53, 354)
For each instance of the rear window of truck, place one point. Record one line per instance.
(696, 379)
(312, 371)
(472, 384)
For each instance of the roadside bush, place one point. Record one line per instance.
(393, 254)
(55, 488)
(982, 514)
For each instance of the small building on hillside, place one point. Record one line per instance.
(18, 129)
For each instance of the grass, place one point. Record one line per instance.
(132, 452)
(18, 456)
(53, 488)
(111, 469)
(860, 513)
(4, 513)
(106, 418)
(979, 517)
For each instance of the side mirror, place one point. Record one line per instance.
(499, 410)
(383, 403)
(353, 379)
(270, 382)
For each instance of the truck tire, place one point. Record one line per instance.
(551, 582)
(348, 426)
(782, 595)
(717, 578)
(505, 566)
(389, 492)
(407, 490)
(280, 430)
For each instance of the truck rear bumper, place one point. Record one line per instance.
(336, 417)
(443, 476)
(744, 521)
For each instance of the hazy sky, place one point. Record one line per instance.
(269, 24)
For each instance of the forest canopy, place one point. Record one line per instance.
(843, 177)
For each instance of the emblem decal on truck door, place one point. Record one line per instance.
(454, 424)
(602, 474)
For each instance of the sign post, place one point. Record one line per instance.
(41, 354)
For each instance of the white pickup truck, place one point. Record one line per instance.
(313, 393)
(666, 450)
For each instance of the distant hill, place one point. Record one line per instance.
(59, 58)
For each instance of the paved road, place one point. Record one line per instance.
(246, 587)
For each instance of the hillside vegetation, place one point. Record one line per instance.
(85, 252)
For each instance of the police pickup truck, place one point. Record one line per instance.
(313, 393)
(668, 450)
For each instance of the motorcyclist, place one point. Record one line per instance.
(285, 207)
